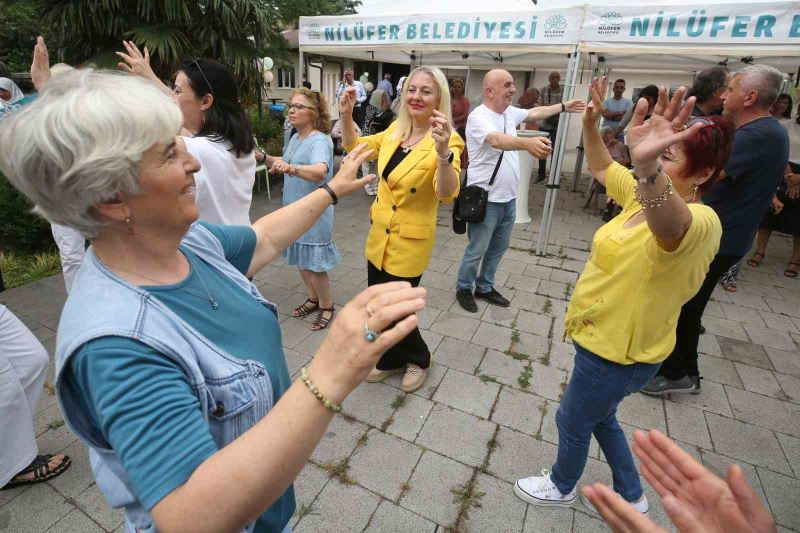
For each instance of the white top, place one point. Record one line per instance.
(483, 158)
(793, 130)
(224, 182)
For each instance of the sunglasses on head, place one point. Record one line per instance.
(700, 120)
(197, 62)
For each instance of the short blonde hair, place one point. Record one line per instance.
(322, 116)
(404, 121)
(80, 143)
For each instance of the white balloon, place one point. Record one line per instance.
(268, 76)
(268, 64)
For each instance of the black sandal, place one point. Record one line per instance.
(305, 309)
(791, 272)
(41, 471)
(321, 322)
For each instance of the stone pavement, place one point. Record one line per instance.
(446, 456)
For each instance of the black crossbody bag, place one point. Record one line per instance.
(470, 205)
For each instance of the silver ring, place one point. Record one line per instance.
(370, 334)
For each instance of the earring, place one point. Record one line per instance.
(694, 192)
(204, 119)
(131, 231)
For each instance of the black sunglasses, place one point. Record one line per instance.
(197, 62)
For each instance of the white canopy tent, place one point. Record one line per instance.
(633, 35)
(519, 37)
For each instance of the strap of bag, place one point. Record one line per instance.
(500, 159)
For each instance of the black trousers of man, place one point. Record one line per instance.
(683, 359)
(412, 349)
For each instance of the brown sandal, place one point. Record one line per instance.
(322, 322)
(753, 262)
(791, 272)
(305, 309)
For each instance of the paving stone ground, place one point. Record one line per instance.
(450, 452)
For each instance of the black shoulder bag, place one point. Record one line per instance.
(470, 205)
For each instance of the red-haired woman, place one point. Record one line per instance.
(645, 264)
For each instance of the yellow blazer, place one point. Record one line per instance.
(403, 216)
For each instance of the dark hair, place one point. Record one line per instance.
(619, 80)
(651, 91)
(709, 148)
(707, 82)
(225, 119)
(788, 112)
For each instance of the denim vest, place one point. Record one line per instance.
(234, 394)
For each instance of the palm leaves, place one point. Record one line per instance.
(235, 32)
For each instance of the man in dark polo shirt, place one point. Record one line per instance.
(740, 197)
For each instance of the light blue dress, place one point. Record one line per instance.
(315, 250)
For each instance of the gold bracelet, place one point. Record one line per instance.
(659, 200)
(329, 404)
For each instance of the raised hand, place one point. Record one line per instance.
(345, 357)
(594, 109)
(574, 106)
(347, 101)
(647, 140)
(136, 62)
(694, 498)
(40, 67)
(440, 131)
(618, 513)
(345, 181)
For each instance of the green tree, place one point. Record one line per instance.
(20, 23)
(235, 32)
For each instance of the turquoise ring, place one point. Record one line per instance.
(370, 334)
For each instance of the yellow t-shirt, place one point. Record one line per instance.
(628, 298)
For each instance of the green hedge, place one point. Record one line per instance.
(21, 230)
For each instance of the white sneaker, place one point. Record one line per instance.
(641, 505)
(539, 490)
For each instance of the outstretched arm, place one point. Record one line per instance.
(543, 112)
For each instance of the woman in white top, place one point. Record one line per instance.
(216, 132)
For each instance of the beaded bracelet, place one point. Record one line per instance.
(659, 200)
(329, 404)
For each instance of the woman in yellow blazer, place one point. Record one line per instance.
(418, 167)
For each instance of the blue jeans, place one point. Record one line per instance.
(589, 407)
(488, 240)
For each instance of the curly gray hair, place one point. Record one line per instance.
(81, 141)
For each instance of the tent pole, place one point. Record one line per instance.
(298, 82)
(466, 82)
(554, 180)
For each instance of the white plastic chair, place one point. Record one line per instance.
(260, 168)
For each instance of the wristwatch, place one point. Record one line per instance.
(450, 157)
(650, 180)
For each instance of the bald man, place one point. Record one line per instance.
(492, 131)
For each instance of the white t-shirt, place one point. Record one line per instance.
(224, 182)
(483, 158)
(793, 130)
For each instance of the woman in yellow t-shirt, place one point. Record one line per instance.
(645, 264)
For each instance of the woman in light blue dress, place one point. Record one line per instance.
(307, 163)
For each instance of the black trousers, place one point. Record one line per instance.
(412, 349)
(683, 359)
(359, 115)
(543, 162)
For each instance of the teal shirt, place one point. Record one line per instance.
(141, 401)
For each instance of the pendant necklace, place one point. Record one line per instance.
(410, 147)
(211, 300)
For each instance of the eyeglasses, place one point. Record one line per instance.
(300, 107)
(197, 62)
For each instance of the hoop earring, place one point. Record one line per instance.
(131, 231)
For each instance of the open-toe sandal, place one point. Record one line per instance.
(753, 262)
(306, 308)
(321, 322)
(791, 270)
(40, 467)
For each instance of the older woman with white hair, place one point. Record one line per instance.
(418, 164)
(169, 363)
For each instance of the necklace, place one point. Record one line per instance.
(408, 147)
(211, 300)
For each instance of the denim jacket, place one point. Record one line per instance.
(234, 394)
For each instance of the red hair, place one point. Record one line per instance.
(709, 149)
